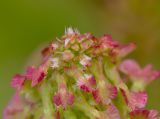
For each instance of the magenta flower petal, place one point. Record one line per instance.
(112, 112)
(144, 114)
(84, 88)
(83, 84)
(141, 114)
(38, 76)
(71, 98)
(29, 72)
(124, 50)
(92, 80)
(96, 96)
(57, 99)
(63, 97)
(108, 42)
(137, 100)
(18, 81)
(149, 74)
(15, 106)
(112, 91)
(130, 67)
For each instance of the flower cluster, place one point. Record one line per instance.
(82, 76)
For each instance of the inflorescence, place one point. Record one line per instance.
(83, 77)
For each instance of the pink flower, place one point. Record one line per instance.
(86, 83)
(116, 49)
(48, 50)
(17, 81)
(112, 91)
(135, 100)
(149, 74)
(144, 114)
(14, 107)
(110, 113)
(71, 98)
(91, 80)
(105, 95)
(35, 75)
(63, 97)
(57, 99)
(96, 96)
(108, 42)
(84, 88)
(38, 76)
(67, 55)
(131, 68)
(85, 36)
(124, 50)
(29, 72)
(85, 61)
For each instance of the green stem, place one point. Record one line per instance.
(81, 104)
(88, 110)
(46, 100)
(138, 85)
(111, 72)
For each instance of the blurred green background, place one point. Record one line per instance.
(25, 25)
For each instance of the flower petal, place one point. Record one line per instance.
(29, 72)
(144, 114)
(15, 106)
(57, 99)
(38, 76)
(130, 67)
(137, 100)
(17, 81)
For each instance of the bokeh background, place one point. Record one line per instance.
(26, 25)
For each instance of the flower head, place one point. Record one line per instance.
(83, 75)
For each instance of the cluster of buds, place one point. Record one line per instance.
(83, 77)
